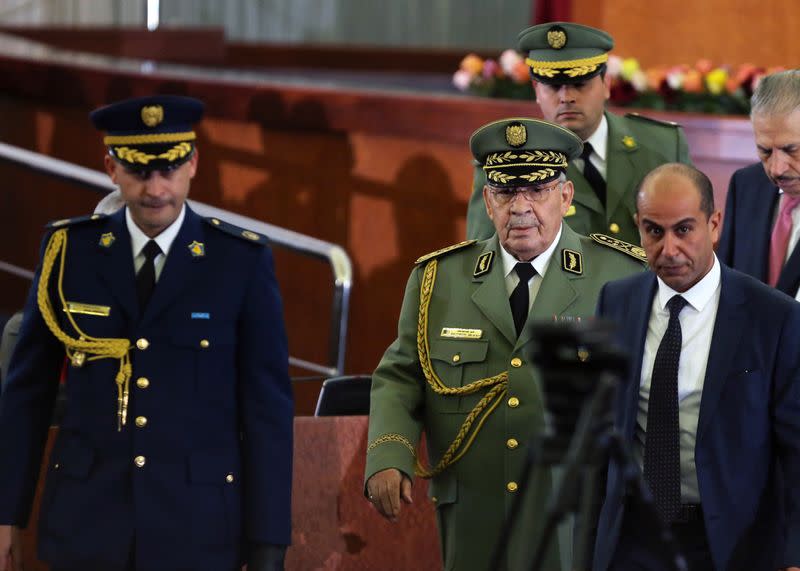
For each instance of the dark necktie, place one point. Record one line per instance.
(146, 278)
(662, 454)
(592, 175)
(520, 297)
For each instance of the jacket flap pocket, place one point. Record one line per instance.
(443, 490)
(458, 352)
(73, 457)
(213, 467)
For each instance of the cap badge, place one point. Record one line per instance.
(556, 38)
(152, 115)
(107, 239)
(629, 142)
(516, 135)
(197, 249)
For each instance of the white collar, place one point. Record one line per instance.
(539, 263)
(599, 139)
(698, 295)
(164, 240)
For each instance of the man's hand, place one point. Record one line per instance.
(10, 549)
(385, 490)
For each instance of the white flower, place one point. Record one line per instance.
(675, 79)
(639, 81)
(462, 79)
(508, 61)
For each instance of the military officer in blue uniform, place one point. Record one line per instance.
(175, 450)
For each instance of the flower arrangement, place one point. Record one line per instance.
(704, 87)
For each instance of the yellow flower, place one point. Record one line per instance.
(629, 68)
(472, 63)
(715, 80)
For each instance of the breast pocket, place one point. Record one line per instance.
(208, 351)
(457, 362)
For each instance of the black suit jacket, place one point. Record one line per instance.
(749, 213)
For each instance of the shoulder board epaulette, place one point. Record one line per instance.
(233, 230)
(631, 249)
(652, 120)
(73, 221)
(443, 251)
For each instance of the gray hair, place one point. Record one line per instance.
(776, 94)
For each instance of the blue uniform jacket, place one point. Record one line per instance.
(209, 419)
(747, 451)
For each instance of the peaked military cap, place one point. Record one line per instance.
(150, 133)
(522, 152)
(562, 52)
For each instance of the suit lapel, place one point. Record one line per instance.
(760, 215)
(584, 194)
(635, 337)
(116, 268)
(490, 295)
(179, 267)
(730, 325)
(621, 160)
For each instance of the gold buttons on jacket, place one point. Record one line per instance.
(141, 421)
(142, 382)
(140, 461)
(512, 443)
(513, 402)
(142, 344)
(614, 228)
(512, 486)
(456, 357)
(516, 362)
(229, 478)
(205, 344)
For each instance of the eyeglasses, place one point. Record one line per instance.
(529, 193)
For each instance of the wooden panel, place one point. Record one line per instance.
(761, 32)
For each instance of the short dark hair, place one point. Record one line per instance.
(698, 178)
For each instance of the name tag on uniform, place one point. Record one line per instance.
(87, 309)
(200, 315)
(459, 333)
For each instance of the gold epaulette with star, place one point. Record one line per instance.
(233, 230)
(652, 120)
(73, 221)
(443, 251)
(631, 249)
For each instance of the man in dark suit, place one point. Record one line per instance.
(568, 66)
(762, 221)
(712, 406)
(175, 447)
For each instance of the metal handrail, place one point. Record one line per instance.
(295, 242)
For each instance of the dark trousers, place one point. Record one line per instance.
(639, 548)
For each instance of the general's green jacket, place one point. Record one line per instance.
(472, 496)
(636, 145)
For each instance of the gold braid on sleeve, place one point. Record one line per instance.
(497, 386)
(77, 349)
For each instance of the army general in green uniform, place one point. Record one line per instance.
(460, 369)
(568, 66)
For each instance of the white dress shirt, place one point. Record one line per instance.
(164, 240)
(539, 263)
(599, 142)
(697, 325)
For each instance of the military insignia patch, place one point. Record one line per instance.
(516, 134)
(484, 264)
(572, 261)
(629, 142)
(630, 249)
(583, 354)
(556, 37)
(197, 249)
(152, 115)
(107, 239)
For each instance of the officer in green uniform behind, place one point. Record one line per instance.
(459, 369)
(568, 66)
